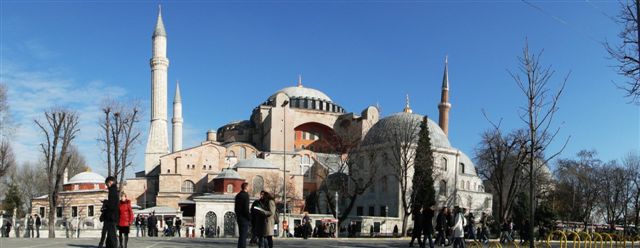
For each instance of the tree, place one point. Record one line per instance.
(500, 160)
(537, 114)
(78, 163)
(576, 193)
(120, 134)
(424, 193)
(631, 161)
(627, 53)
(7, 157)
(32, 180)
(59, 130)
(12, 199)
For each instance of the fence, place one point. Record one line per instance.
(570, 239)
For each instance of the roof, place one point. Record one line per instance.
(302, 92)
(228, 173)
(385, 128)
(159, 30)
(255, 163)
(159, 210)
(86, 177)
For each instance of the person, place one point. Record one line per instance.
(484, 228)
(65, 224)
(218, 232)
(242, 214)
(8, 227)
(255, 215)
(138, 222)
(178, 224)
(449, 231)
(524, 232)
(395, 231)
(427, 225)
(38, 224)
(78, 225)
(103, 233)
(259, 219)
(126, 219)
(143, 225)
(417, 226)
(168, 227)
(201, 231)
(112, 214)
(504, 232)
(459, 222)
(306, 225)
(152, 223)
(30, 231)
(441, 223)
(471, 230)
(270, 214)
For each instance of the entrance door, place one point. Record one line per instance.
(210, 224)
(230, 224)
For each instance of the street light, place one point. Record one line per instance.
(284, 161)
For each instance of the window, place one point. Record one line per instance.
(383, 210)
(209, 167)
(42, 211)
(443, 163)
(90, 211)
(462, 184)
(229, 188)
(204, 167)
(59, 212)
(74, 211)
(462, 168)
(359, 211)
(443, 188)
(232, 154)
(188, 186)
(372, 211)
(243, 153)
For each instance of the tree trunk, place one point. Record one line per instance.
(52, 215)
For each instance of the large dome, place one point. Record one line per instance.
(382, 131)
(86, 177)
(302, 92)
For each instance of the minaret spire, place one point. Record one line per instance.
(407, 108)
(299, 80)
(158, 141)
(444, 105)
(177, 120)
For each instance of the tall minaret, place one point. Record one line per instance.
(158, 142)
(444, 105)
(177, 120)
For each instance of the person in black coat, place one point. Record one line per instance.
(152, 222)
(112, 212)
(427, 225)
(242, 215)
(441, 227)
(417, 226)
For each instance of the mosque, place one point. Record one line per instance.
(292, 142)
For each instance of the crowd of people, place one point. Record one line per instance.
(451, 227)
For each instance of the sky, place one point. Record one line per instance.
(230, 56)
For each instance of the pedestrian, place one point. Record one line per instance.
(449, 226)
(143, 225)
(218, 232)
(270, 204)
(126, 219)
(306, 225)
(152, 223)
(38, 224)
(441, 223)
(79, 224)
(138, 222)
(471, 230)
(103, 233)
(201, 231)
(242, 214)
(484, 228)
(65, 224)
(178, 225)
(112, 214)
(259, 217)
(504, 232)
(30, 231)
(417, 226)
(8, 226)
(427, 225)
(458, 227)
(524, 232)
(255, 215)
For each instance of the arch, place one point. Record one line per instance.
(443, 163)
(442, 190)
(232, 154)
(210, 223)
(229, 224)
(257, 185)
(188, 186)
(229, 188)
(315, 136)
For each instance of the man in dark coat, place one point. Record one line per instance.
(38, 224)
(417, 226)
(242, 214)
(112, 212)
(441, 227)
(427, 225)
(152, 222)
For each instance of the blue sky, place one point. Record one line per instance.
(230, 56)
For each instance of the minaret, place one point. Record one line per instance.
(177, 120)
(158, 142)
(407, 108)
(444, 105)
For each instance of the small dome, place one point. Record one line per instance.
(229, 174)
(86, 177)
(302, 92)
(256, 163)
(387, 126)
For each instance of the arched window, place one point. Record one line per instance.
(462, 184)
(188, 186)
(232, 154)
(243, 153)
(209, 167)
(204, 167)
(258, 185)
(443, 163)
(443, 188)
(462, 168)
(229, 188)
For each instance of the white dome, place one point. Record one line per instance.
(86, 177)
(381, 132)
(302, 92)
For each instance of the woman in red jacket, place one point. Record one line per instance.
(126, 218)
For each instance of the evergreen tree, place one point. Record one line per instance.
(12, 199)
(424, 193)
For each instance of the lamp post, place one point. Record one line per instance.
(284, 162)
(455, 179)
(337, 230)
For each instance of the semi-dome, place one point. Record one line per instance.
(382, 131)
(302, 92)
(86, 177)
(254, 163)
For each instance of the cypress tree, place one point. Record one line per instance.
(424, 193)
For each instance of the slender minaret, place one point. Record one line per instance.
(158, 142)
(177, 120)
(407, 108)
(444, 105)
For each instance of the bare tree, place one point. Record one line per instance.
(77, 163)
(60, 129)
(576, 193)
(7, 157)
(32, 180)
(120, 134)
(613, 192)
(627, 53)
(631, 161)
(537, 114)
(500, 162)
